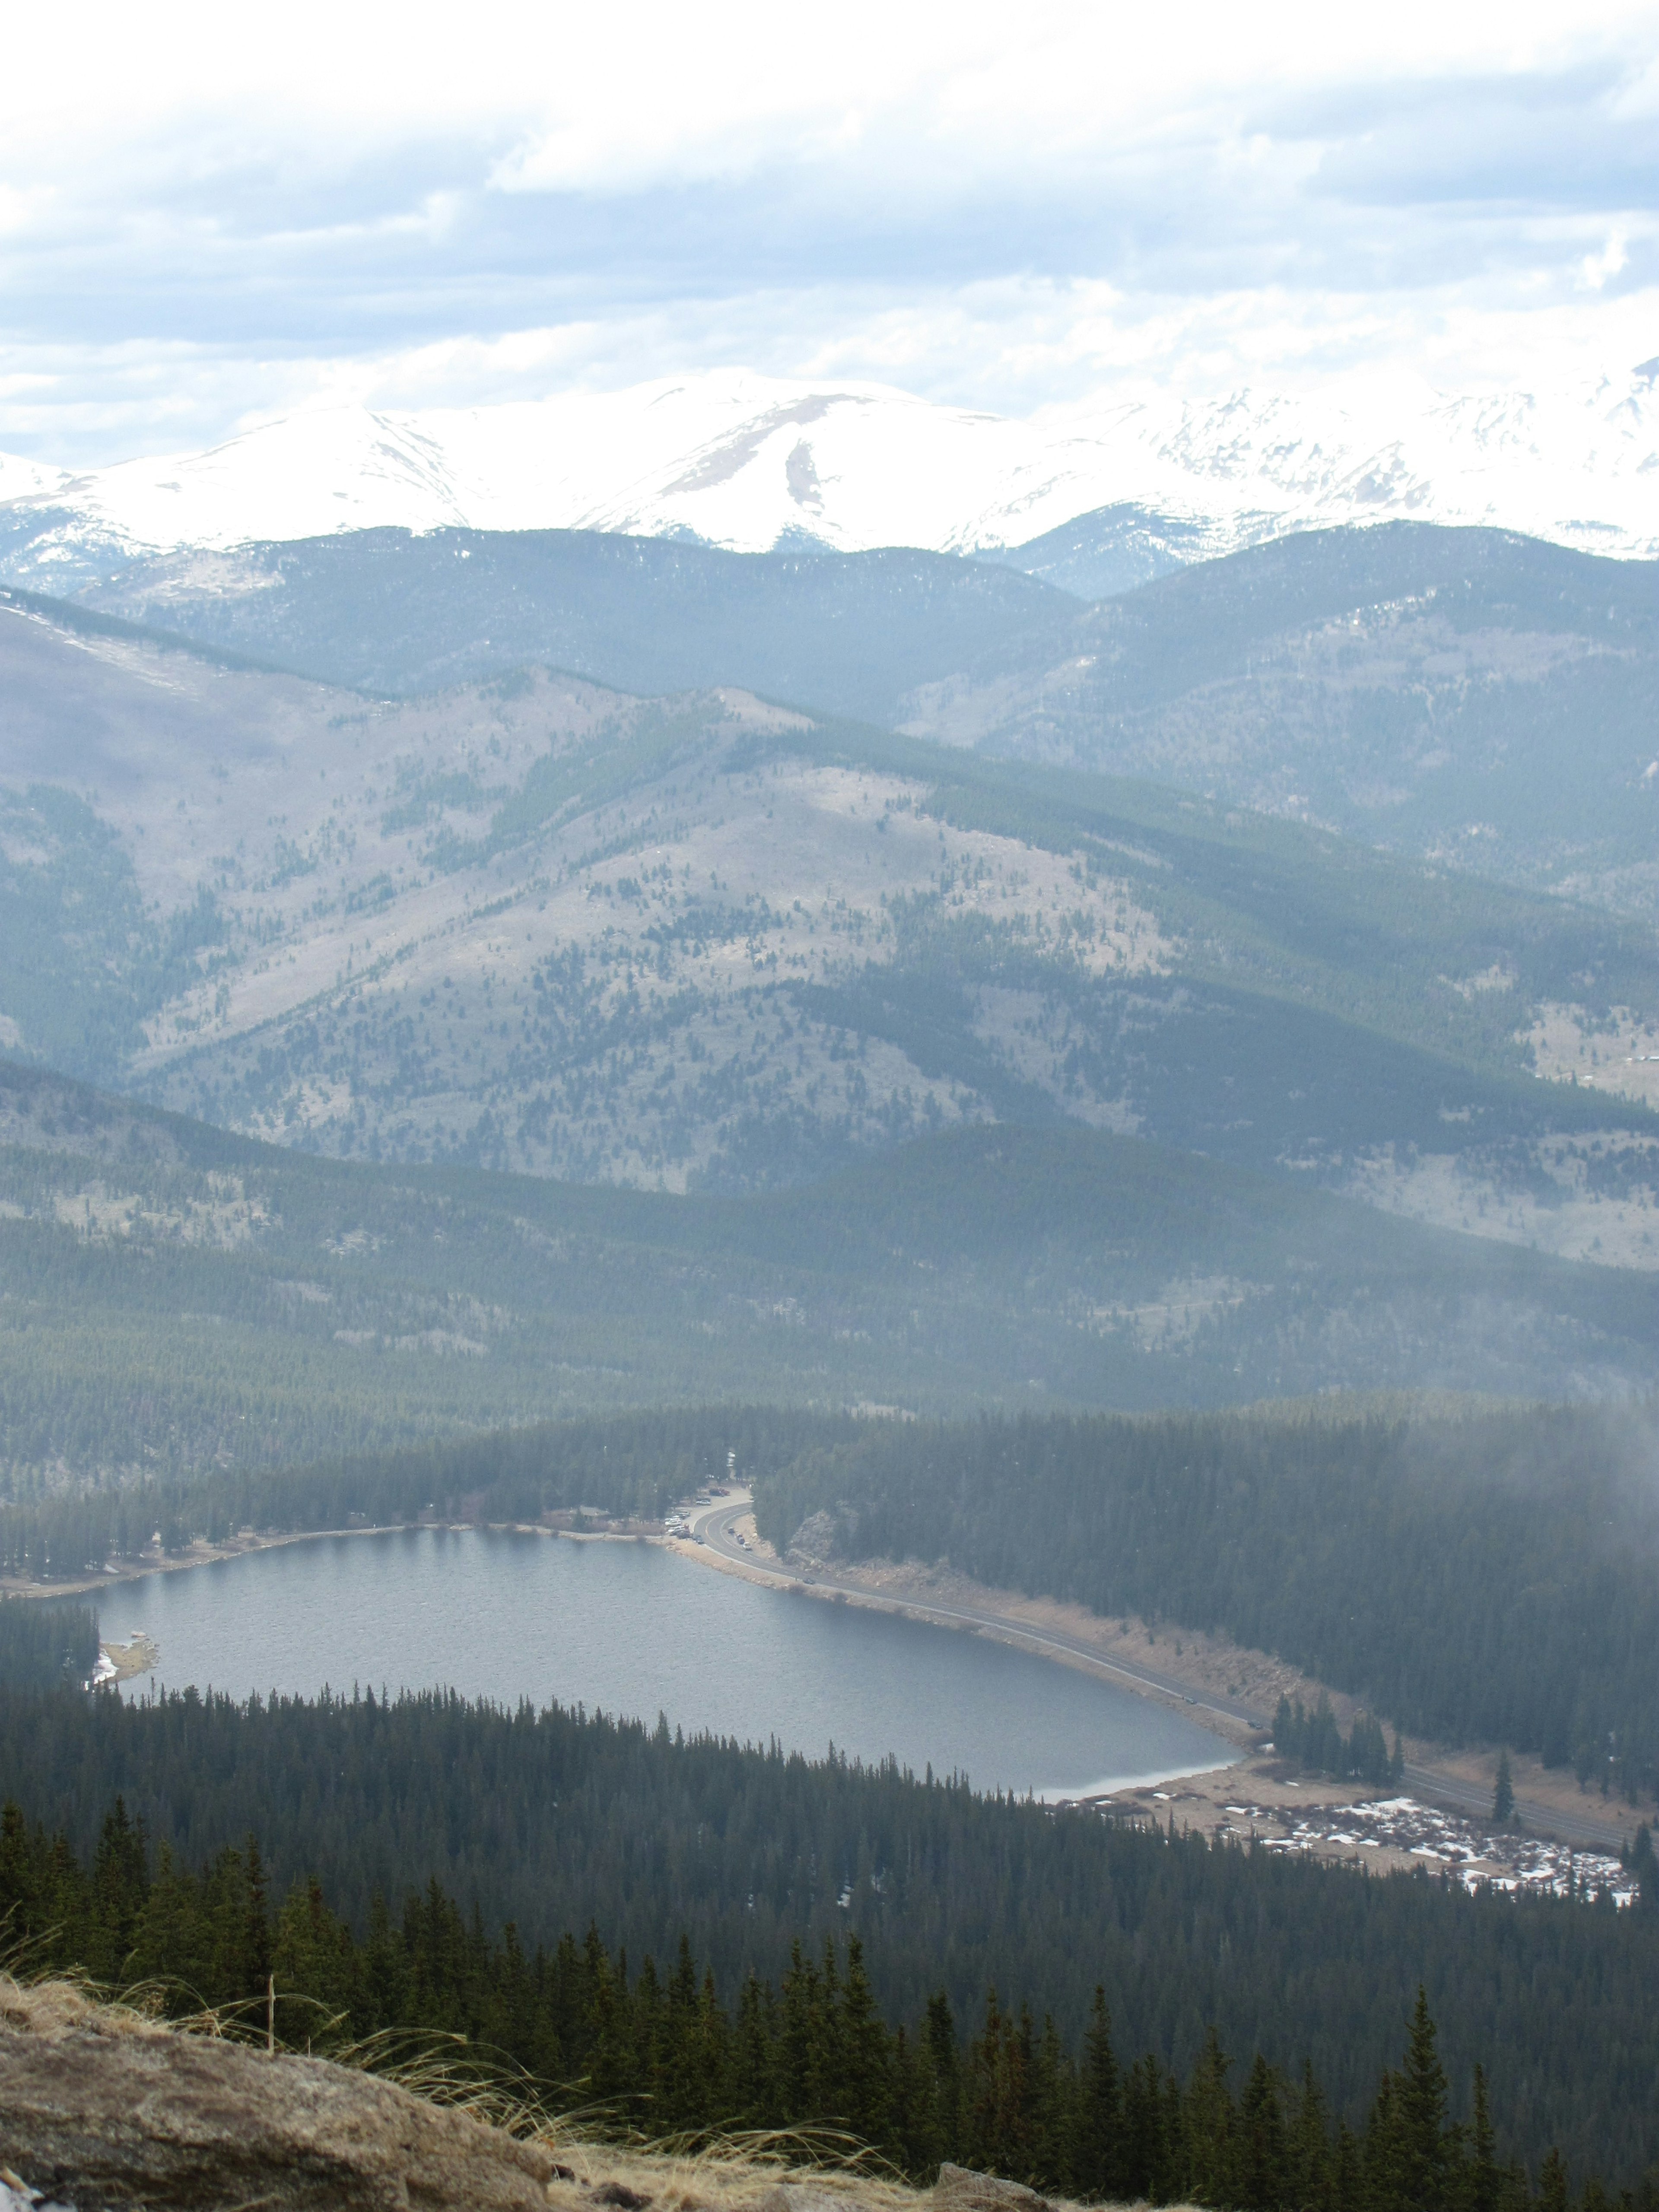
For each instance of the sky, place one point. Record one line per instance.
(209, 216)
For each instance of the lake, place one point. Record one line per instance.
(632, 1629)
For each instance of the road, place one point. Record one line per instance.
(714, 1528)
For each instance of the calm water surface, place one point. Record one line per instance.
(632, 1629)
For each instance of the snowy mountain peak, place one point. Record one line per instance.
(752, 463)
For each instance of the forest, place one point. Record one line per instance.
(43, 1647)
(181, 1299)
(748, 1853)
(664, 2053)
(1487, 1577)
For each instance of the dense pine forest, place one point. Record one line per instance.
(1485, 1578)
(626, 1464)
(664, 2053)
(43, 1647)
(551, 1822)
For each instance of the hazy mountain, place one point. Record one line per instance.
(1465, 693)
(179, 1298)
(754, 464)
(1481, 697)
(699, 941)
(388, 611)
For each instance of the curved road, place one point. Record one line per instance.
(713, 1526)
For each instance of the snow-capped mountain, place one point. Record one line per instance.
(750, 462)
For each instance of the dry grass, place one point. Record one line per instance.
(711, 2171)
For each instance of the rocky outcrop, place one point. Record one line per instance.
(100, 2108)
(958, 2189)
(816, 1542)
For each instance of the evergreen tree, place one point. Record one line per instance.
(1100, 2163)
(1485, 2191)
(1261, 2166)
(1207, 2126)
(1553, 2193)
(1502, 1797)
(1425, 2149)
(1643, 1862)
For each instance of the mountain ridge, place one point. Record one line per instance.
(700, 941)
(758, 464)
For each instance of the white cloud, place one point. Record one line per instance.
(1612, 258)
(210, 214)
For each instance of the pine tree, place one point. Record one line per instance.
(1309, 2170)
(1421, 2104)
(866, 2057)
(1502, 1797)
(1260, 2170)
(1207, 2110)
(945, 2058)
(1100, 2120)
(1484, 2186)
(1553, 2182)
(1645, 1866)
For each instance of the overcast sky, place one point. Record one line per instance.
(211, 215)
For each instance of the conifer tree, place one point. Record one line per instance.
(1503, 1796)
(1553, 2182)
(1100, 2122)
(945, 2064)
(1485, 2181)
(1424, 2150)
(1207, 2114)
(865, 2055)
(1309, 2170)
(1260, 2167)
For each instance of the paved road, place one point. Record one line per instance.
(1467, 1797)
(714, 1526)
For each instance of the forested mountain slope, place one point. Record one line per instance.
(704, 942)
(390, 612)
(1465, 693)
(176, 1297)
(747, 1852)
(1483, 696)
(1491, 1578)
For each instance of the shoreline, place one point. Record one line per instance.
(1091, 1645)
(201, 1553)
(1461, 1782)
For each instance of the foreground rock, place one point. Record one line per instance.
(958, 2189)
(101, 2108)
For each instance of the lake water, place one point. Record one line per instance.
(634, 1630)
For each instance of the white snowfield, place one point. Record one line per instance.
(752, 463)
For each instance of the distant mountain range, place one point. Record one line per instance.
(702, 941)
(1093, 501)
(1468, 693)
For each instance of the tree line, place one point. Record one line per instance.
(551, 1820)
(664, 2051)
(634, 1465)
(1314, 1741)
(1487, 1577)
(44, 1646)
